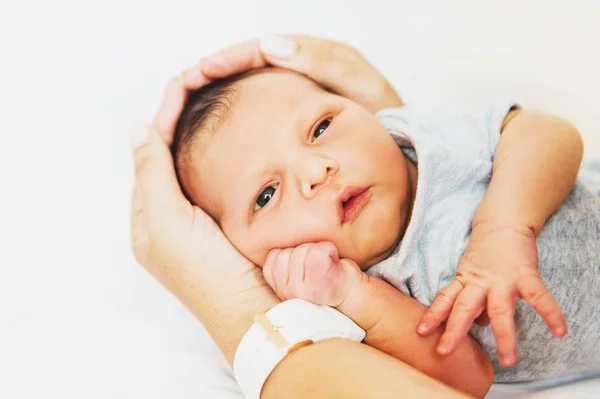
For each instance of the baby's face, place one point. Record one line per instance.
(294, 164)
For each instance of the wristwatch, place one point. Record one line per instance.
(286, 327)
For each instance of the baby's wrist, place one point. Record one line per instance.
(355, 303)
(499, 212)
(497, 222)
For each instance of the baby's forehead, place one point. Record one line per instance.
(282, 83)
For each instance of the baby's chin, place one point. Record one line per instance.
(379, 248)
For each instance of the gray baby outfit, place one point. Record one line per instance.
(454, 152)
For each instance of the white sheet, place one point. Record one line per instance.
(78, 318)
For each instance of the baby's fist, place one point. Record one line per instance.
(311, 271)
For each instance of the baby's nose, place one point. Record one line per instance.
(316, 173)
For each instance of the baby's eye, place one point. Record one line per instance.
(321, 128)
(264, 197)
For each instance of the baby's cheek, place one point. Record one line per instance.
(247, 244)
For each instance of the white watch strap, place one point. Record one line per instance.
(294, 322)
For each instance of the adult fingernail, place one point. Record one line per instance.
(277, 46)
(138, 135)
(422, 328)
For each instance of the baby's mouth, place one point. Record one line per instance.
(351, 202)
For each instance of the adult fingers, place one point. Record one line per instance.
(165, 120)
(153, 157)
(230, 61)
(501, 309)
(156, 183)
(468, 306)
(440, 308)
(533, 290)
(337, 66)
(323, 60)
(328, 62)
(139, 229)
(239, 58)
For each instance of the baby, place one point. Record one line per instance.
(318, 190)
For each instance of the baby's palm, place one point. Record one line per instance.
(499, 266)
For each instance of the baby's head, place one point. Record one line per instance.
(278, 161)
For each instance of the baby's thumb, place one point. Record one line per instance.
(321, 254)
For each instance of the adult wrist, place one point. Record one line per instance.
(227, 310)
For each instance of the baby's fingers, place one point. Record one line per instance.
(501, 309)
(275, 270)
(320, 255)
(440, 308)
(469, 305)
(536, 294)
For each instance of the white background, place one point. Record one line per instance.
(78, 317)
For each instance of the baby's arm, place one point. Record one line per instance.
(535, 166)
(314, 272)
(390, 319)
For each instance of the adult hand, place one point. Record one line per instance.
(180, 244)
(337, 66)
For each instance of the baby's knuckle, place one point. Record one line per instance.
(444, 297)
(453, 332)
(495, 311)
(463, 307)
(538, 297)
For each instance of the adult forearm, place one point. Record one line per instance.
(349, 370)
(228, 316)
(535, 167)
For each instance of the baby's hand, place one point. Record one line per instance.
(313, 272)
(499, 266)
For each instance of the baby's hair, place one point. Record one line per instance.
(205, 111)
